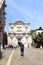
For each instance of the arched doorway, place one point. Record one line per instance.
(19, 37)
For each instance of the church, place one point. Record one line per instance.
(19, 31)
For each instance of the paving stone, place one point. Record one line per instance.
(5, 55)
(32, 56)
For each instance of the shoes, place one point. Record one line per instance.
(22, 55)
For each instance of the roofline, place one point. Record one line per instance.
(39, 29)
(20, 21)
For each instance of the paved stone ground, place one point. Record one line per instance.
(32, 56)
(5, 56)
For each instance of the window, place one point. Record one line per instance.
(19, 30)
(19, 39)
(19, 27)
(12, 27)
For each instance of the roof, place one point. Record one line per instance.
(19, 22)
(40, 28)
(1, 2)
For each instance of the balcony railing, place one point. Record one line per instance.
(4, 5)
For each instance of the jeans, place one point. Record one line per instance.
(22, 52)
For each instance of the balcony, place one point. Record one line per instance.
(4, 13)
(4, 5)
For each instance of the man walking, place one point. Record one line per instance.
(21, 48)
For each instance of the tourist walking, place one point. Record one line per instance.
(21, 48)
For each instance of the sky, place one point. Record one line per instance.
(28, 11)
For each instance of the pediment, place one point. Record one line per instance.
(19, 22)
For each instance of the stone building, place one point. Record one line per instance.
(39, 30)
(2, 19)
(35, 33)
(19, 31)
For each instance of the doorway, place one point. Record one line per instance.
(19, 39)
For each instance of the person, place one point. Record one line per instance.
(21, 48)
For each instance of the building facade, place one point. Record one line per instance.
(19, 31)
(2, 19)
(35, 33)
(39, 30)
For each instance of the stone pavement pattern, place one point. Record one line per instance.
(5, 56)
(32, 56)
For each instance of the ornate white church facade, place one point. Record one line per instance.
(19, 31)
